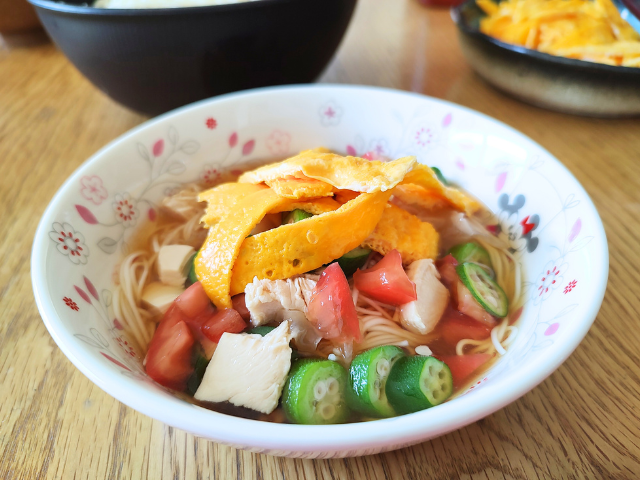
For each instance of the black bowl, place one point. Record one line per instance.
(558, 83)
(154, 60)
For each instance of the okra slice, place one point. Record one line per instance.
(315, 392)
(484, 289)
(417, 383)
(368, 378)
(353, 260)
(295, 216)
(471, 252)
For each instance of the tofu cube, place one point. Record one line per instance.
(158, 297)
(173, 263)
(248, 370)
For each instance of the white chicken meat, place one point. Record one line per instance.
(248, 370)
(273, 301)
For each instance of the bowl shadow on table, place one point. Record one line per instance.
(557, 83)
(153, 61)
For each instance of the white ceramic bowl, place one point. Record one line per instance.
(550, 220)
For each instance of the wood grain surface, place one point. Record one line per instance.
(582, 422)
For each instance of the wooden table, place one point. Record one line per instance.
(582, 422)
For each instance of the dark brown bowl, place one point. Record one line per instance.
(155, 60)
(557, 83)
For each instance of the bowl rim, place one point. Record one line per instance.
(88, 10)
(585, 65)
(379, 435)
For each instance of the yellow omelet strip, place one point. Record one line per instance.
(223, 199)
(300, 188)
(426, 189)
(315, 206)
(308, 244)
(347, 173)
(214, 262)
(399, 229)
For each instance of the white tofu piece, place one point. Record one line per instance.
(422, 315)
(172, 264)
(158, 296)
(248, 370)
(269, 300)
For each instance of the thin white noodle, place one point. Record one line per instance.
(138, 268)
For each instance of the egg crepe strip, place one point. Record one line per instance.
(590, 30)
(422, 187)
(344, 173)
(223, 198)
(300, 188)
(218, 254)
(360, 215)
(402, 231)
(308, 244)
(315, 206)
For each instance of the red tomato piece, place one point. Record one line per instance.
(456, 326)
(169, 356)
(386, 281)
(462, 366)
(447, 268)
(331, 309)
(468, 305)
(193, 300)
(240, 306)
(226, 320)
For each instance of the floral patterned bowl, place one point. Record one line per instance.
(543, 212)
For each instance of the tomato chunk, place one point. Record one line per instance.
(462, 298)
(331, 309)
(226, 320)
(462, 366)
(447, 268)
(468, 305)
(456, 326)
(240, 306)
(386, 281)
(193, 300)
(169, 357)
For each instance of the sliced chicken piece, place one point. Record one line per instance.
(304, 333)
(268, 300)
(422, 315)
(248, 370)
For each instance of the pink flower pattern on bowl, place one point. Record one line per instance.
(125, 209)
(92, 189)
(278, 142)
(548, 280)
(330, 114)
(70, 243)
(570, 286)
(209, 175)
(426, 136)
(70, 303)
(375, 149)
